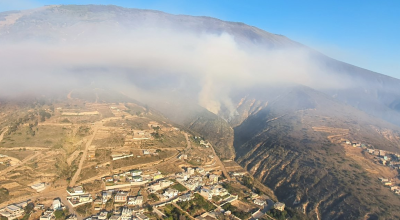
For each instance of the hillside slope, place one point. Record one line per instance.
(282, 146)
(368, 91)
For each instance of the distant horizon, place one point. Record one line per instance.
(369, 42)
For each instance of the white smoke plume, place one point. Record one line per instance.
(217, 64)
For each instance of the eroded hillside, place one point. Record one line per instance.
(293, 145)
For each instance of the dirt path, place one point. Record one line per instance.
(88, 143)
(26, 148)
(8, 169)
(217, 160)
(221, 165)
(69, 95)
(141, 166)
(72, 157)
(3, 133)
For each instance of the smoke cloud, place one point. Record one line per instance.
(208, 66)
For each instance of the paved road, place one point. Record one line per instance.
(84, 155)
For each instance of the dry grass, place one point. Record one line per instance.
(45, 136)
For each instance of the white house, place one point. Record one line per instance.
(47, 215)
(102, 215)
(169, 193)
(106, 195)
(184, 198)
(135, 200)
(12, 211)
(126, 213)
(260, 202)
(135, 172)
(78, 189)
(56, 204)
(39, 187)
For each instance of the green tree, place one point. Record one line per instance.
(59, 214)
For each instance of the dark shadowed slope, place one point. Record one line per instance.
(282, 146)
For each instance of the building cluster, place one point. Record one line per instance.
(386, 158)
(14, 211)
(134, 175)
(159, 185)
(77, 196)
(383, 157)
(123, 213)
(389, 183)
(120, 198)
(17, 210)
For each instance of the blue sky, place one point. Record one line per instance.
(361, 32)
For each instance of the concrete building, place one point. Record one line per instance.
(260, 202)
(39, 187)
(56, 204)
(121, 196)
(47, 215)
(279, 206)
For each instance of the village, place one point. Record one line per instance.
(126, 164)
(383, 158)
(157, 193)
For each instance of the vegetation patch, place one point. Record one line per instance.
(235, 211)
(179, 187)
(197, 205)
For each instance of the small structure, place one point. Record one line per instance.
(213, 178)
(47, 215)
(279, 206)
(12, 211)
(169, 193)
(137, 179)
(146, 152)
(186, 197)
(39, 187)
(102, 215)
(135, 200)
(260, 202)
(135, 172)
(57, 204)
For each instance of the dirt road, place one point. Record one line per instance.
(8, 169)
(84, 155)
(221, 165)
(217, 160)
(2, 134)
